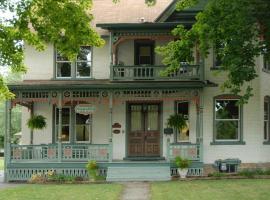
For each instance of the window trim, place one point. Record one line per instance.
(238, 141)
(176, 112)
(56, 126)
(73, 67)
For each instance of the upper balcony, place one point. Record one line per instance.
(133, 56)
(154, 72)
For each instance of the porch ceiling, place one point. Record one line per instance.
(104, 84)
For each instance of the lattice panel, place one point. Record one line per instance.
(191, 171)
(24, 174)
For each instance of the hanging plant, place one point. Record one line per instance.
(36, 122)
(177, 121)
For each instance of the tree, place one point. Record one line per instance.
(38, 22)
(240, 27)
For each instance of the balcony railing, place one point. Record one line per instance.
(152, 72)
(69, 152)
(187, 151)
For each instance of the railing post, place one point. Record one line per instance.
(168, 149)
(60, 105)
(7, 152)
(200, 127)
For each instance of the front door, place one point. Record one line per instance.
(144, 130)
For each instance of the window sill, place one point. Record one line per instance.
(266, 70)
(72, 79)
(228, 143)
(266, 142)
(215, 68)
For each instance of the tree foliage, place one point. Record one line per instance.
(240, 27)
(63, 23)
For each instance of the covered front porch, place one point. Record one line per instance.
(109, 141)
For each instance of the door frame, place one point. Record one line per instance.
(128, 103)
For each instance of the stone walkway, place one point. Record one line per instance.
(5, 185)
(136, 191)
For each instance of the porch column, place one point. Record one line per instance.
(60, 105)
(199, 131)
(7, 151)
(111, 56)
(31, 131)
(110, 126)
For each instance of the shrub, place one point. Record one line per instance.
(248, 173)
(182, 163)
(92, 169)
(216, 174)
(37, 178)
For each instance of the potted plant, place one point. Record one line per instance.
(177, 122)
(37, 122)
(92, 169)
(182, 165)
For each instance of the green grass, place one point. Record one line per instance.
(1, 163)
(212, 190)
(66, 192)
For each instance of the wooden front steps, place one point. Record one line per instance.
(139, 171)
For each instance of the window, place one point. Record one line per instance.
(83, 127)
(266, 118)
(266, 64)
(144, 52)
(183, 109)
(227, 120)
(80, 68)
(65, 124)
(217, 56)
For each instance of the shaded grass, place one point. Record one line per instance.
(212, 190)
(66, 192)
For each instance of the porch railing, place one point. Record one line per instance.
(49, 153)
(151, 72)
(187, 151)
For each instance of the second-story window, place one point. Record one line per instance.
(266, 64)
(144, 52)
(80, 68)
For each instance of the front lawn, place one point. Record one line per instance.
(212, 190)
(66, 192)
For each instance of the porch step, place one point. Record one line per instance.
(138, 173)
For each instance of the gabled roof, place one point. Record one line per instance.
(170, 10)
(125, 11)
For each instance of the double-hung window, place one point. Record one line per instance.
(266, 118)
(65, 134)
(227, 120)
(80, 68)
(266, 64)
(217, 56)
